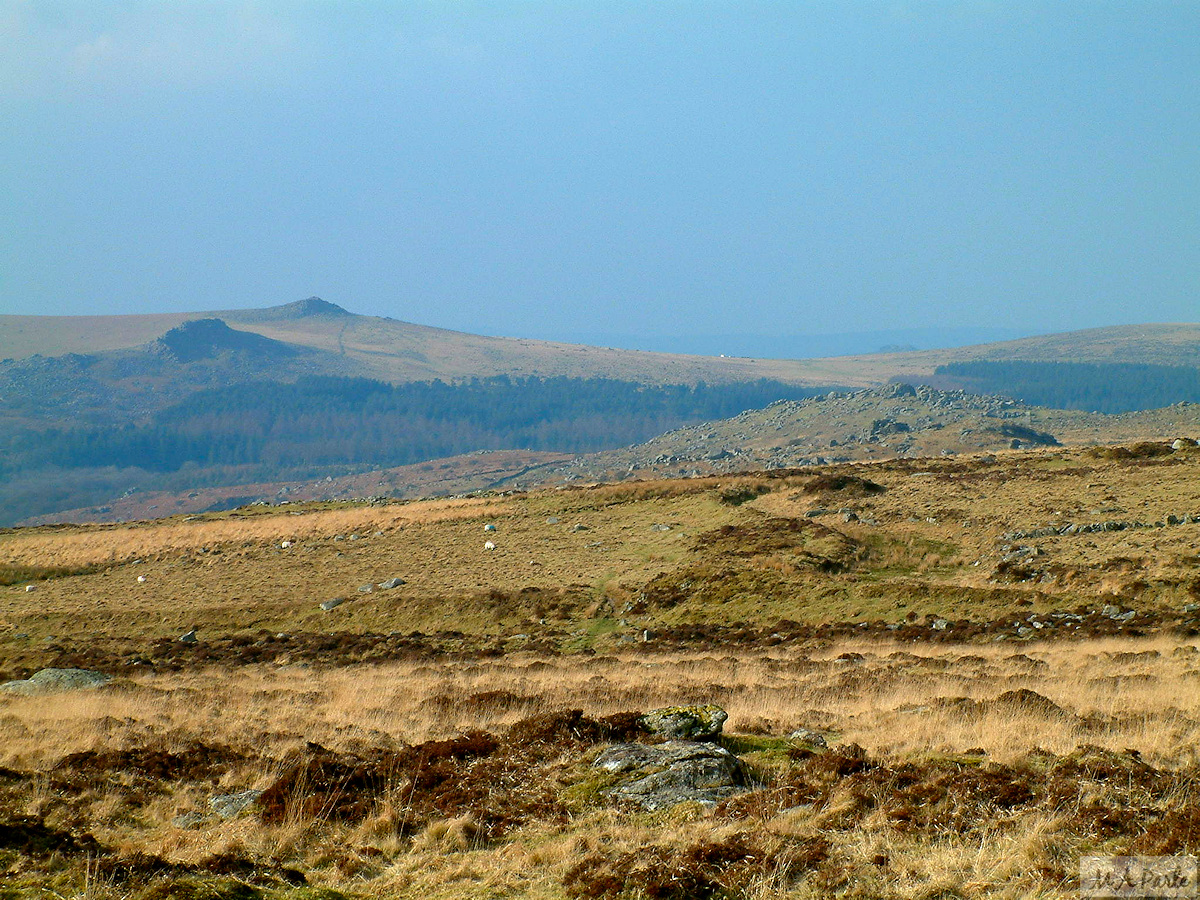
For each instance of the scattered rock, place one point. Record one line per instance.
(552, 520)
(49, 680)
(579, 526)
(689, 723)
(366, 588)
(659, 526)
(391, 583)
(189, 637)
(664, 775)
(327, 605)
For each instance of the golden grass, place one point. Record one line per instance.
(93, 545)
(898, 699)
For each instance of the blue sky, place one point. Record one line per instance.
(619, 168)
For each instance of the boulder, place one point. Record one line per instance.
(689, 723)
(50, 680)
(663, 775)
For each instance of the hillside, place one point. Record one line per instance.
(487, 696)
(889, 422)
(896, 420)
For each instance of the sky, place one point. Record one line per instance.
(632, 170)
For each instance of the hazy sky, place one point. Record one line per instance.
(544, 169)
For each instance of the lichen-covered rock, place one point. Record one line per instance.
(663, 775)
(48, 680)
(687, 723)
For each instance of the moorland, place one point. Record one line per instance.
(945, 676)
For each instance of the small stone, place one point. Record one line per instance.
(189, 637)
(812, 738)
(229, 805)
(579, 526)
(552, 520)
(391, 583)
(366, 588)
(332, 604)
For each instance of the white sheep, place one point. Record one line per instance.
(488, 545)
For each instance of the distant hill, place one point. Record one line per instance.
(398, 351)
(391, 350)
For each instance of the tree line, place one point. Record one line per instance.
(1095, 387)
(323, 421)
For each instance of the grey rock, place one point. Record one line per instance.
(189, 637)
(690, 723)
(366, 588)
(227, 806)
(552, 520)
(580, 527)
(334, 603)
(391, 583)
(664, 775)
(660, 527)
(940, 625)
(51, 680)
(812, 738)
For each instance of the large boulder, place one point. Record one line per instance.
(50, 680)
(663, 775)
(686, 723)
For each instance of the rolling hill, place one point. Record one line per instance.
(397, 351)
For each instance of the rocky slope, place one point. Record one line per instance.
(895, 420)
